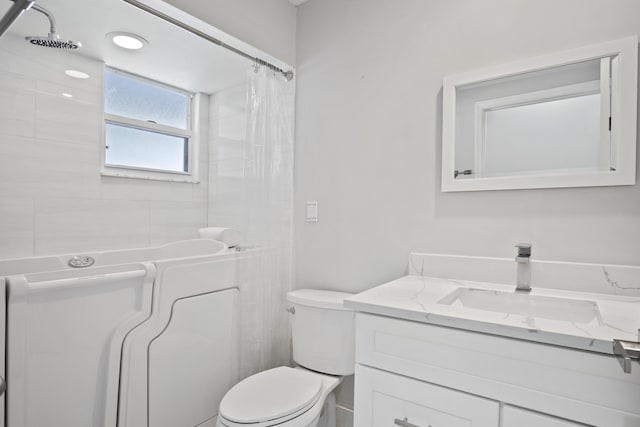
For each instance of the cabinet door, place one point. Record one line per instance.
(384, 400)
(517, 417)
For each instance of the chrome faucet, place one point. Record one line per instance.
(523, 277)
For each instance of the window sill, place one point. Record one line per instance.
(150, 176)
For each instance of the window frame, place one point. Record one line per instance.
(623, 81)
(190, 135)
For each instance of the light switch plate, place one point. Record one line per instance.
(312, 211)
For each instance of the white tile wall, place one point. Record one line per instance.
(226, 158)
(68, 225)
(52, 196)
(229, 102)
(171, 221)
(17, 105)
(141, 189)
(16, 227)
(67, 119)
(42, 168)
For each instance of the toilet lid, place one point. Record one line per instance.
(270, 395)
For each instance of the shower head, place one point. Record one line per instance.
(53, 39)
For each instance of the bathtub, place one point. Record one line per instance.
(142, 337)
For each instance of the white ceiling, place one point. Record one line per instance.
(173, 56)
(298, 2)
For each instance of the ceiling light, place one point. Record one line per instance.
(76, 74)
(128, 40)
(67, 95)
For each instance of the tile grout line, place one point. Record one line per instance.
(33, 222)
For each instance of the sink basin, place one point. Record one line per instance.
(564, 309)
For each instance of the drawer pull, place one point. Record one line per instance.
(404, 423)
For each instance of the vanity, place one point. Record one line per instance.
(437, 349)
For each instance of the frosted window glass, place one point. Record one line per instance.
(132, 98)
(552, 135)
(145, 149)
(468, 96)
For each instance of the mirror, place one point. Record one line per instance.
(563, 120)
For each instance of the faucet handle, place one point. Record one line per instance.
(524, 249)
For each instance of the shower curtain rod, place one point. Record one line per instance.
(287, 74)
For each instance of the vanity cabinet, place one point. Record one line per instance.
(411, 373)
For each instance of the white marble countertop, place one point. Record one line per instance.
(430, 300)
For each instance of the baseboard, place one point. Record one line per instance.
(344, 416)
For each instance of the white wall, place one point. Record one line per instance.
(369, 138)
(269, 25)
(52, 196)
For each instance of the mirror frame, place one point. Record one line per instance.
(624, 83)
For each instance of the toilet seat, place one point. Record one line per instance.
(270, 397)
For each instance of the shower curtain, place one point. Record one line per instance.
(267, 220)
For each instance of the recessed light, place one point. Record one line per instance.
(67, 95)
(127, 40)
(77, 74)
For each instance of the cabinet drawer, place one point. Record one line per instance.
(384, 400)
(518, 417)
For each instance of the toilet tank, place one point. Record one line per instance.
(322, 331)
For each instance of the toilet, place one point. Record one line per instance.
(323, 337)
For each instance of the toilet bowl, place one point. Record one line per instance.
(283, 396)
(324, 347)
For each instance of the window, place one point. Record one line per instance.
(567, 119)
(148, 129)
